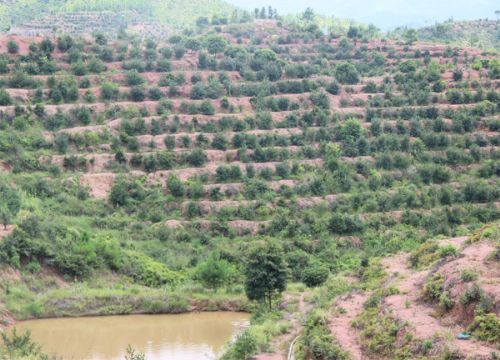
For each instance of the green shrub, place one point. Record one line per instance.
(315, 274)
(425, 255)
(468, 275)
(447, 250)
(445, 301)
(434, 287)
(243, 348)
(148, 271)
(12, 47)
(5, 98)
(486, 327)
(317, 342)
(472, 294)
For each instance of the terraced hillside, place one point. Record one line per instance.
(478, 33)
(131, 166)
(77, 16)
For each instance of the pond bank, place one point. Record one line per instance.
(81, 300)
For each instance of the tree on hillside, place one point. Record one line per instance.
(175, 186)
(308, 15)
(346, 73)
(12, 47)
(410, 36)
(266, 271)
(216, 44)
(263, 13)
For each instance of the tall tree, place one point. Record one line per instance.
(270, 12)
(263, 13)
(308, 14)
(266, 271)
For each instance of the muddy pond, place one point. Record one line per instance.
(174, 337)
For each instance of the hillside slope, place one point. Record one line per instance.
(171, 12)
(140, 176)
(480, 33)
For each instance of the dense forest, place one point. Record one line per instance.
(255, 164)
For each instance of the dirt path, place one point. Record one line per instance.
(408, 304)
(280, 344)
(345, 311)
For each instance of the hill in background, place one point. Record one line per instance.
(482, 33)
(171, 12)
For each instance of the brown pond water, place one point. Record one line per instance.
(173, 337)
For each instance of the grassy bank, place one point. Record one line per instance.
(24, 300)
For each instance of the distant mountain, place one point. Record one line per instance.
(171, 12)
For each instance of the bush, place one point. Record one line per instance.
(243, 348)
(206, 108)
(109, 91)
(12, 47)
(424, 255)
(445, 301)
(134, 78)
(175, 186)
(333, 88)
(434, 287)
(197, 157)
(148, 271)
(345, 224)
(137, 94)
(5, 98)
(346, 73)
(447, 250)
(315, 274)
(215, 272)
(486, 327)
(320, 99)
(468, 275)
(472, 294)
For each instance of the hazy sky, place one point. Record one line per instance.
(386, 13)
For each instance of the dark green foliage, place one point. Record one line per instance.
(315, 274)
(265, 272)
(10, 203)
(16, 346)
(126, 191)
(215, 272)
(346, 73)
(12, 47)
(175, 186)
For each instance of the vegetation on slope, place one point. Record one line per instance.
(172, 12)
(165, 176)
(482, 33)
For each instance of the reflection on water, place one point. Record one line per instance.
(173, 337)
